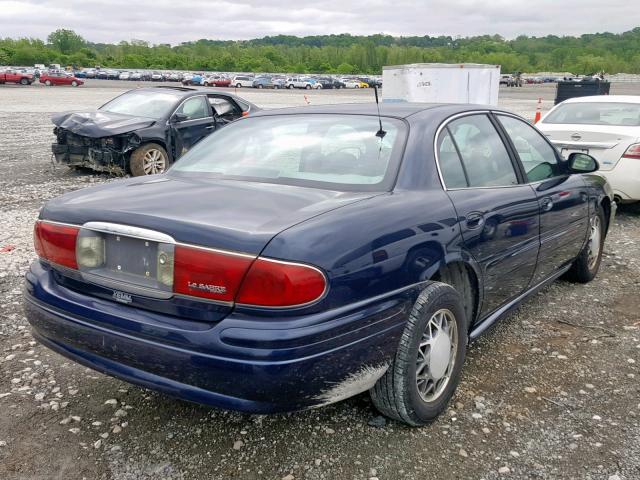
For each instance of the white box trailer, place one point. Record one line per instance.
(441, 83)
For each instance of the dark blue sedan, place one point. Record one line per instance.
(302, 256)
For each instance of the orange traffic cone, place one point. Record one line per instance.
(538, 112)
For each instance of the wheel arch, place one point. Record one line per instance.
(464, 277)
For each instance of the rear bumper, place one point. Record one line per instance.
(624, 179)
(240, 363)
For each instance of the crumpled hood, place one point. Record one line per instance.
(99, 124)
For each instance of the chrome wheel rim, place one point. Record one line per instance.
(436, 355)
(595, 240)
(153, 162)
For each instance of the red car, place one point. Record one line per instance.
(14, 76)
(217, 81)
(59, 78)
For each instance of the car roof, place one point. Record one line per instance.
(398, 110)
(605, 99)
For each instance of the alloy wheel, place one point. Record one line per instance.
(595, 242)
(436, 355)
(154, 162)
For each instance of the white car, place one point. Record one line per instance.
(606, 127)
(124, 76)
(240, 81)
(302, 82)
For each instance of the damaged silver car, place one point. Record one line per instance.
(143, 131)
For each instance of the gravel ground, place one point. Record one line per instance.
(551, 392)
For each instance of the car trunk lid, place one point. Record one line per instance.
(140, 220)
(605, 143)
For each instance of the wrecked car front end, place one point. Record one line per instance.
(105, 154)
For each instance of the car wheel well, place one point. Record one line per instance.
(464, 280)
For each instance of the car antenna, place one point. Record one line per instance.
(380, 133)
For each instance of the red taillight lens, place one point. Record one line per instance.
(56, 243)
(271, 283)
(632, 152)
(207, 273)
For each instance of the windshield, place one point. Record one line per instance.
(340, 152)
(596, 113)
(143, 103)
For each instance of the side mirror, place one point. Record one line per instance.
(582, 163)
(179, 117)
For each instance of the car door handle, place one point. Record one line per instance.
(475, 220)
(211, 127)
(546, 204)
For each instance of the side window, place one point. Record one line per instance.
(450, 165)
(484, 156)
(537, 156)
(193, 108)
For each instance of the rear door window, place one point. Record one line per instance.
(484, 157)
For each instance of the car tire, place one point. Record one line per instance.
(585, 267)
(290, 87)
(399, 394)
(206, 84)
(260, 86)
(238, 85)
(47, 83)
(24, 81)
(74, 84)
(148, 159)
(307, 87)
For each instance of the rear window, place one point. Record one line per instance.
(340, 152)
(596, 113)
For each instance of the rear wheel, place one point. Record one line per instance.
(74, 84)
(308, 87)
(586, 266)
(24, 81)
(238, 85)
(149, 159)
(47, 83)
(427, 365)
(290, 87)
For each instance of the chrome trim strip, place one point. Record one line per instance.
(129, 231)
(217, 250)
(62, 224)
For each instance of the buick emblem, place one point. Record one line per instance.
(576, 137)
(121, 297)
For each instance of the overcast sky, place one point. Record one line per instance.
(175, 21)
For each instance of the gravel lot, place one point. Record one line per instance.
(551, 392)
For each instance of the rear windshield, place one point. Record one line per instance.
(596, 113)
(143, 103)
(340, 152)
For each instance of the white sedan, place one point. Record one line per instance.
(606, 127)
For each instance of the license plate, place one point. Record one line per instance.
(568, 151)
(132, 256)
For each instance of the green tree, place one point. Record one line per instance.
(66, 41)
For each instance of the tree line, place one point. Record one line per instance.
(344, 53)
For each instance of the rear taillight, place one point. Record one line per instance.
(273, 283)
(207, 273)
(56, 243)
(632, 152)
(194, 271)
(230, 277)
